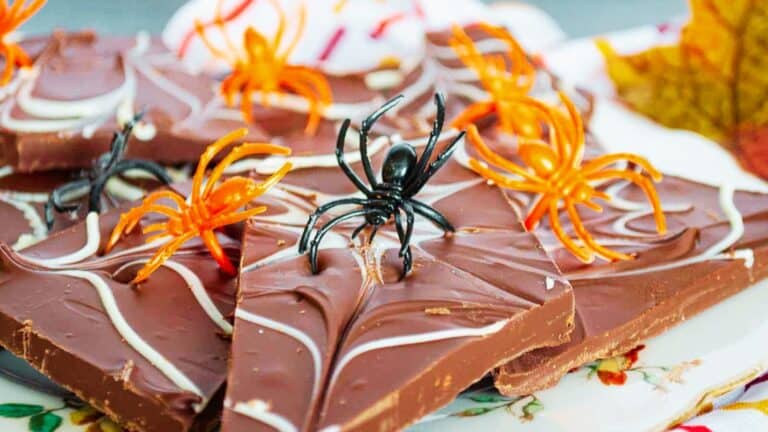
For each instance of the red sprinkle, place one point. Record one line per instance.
(234, 13)
(384, 24)
(325, 54)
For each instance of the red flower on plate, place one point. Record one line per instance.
(613, 371)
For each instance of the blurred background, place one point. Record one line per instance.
(576, 17)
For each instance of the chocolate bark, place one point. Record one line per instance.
(151, 356)
(61, 113)
(353, 347)
(23, 196)
(716, 246)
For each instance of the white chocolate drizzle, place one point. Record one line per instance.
(260, 411)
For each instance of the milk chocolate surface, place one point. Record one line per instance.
(353, 347)
(151, 356)
(705, 257)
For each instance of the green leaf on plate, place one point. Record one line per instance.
(472, 412)
(487, 398)
(532, 408)
(16, 410)
(47, 422)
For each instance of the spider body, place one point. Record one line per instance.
(557, 174)
(107, 165)
(211, 205)
(403, 175)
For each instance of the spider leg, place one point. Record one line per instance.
(408, 228)
(474, 138)
(161, 255)
(444, 157)
(434, 136)
(313, 248)
(645, 184)
(358, 229)
(473, 112)
(214, 247)
(57, 197)
(156, 170)
(554, 220)
(365, 128)
(403, 233)
(94, 202)
(340, 141)
(433, 215)
(586, 237)
(319, 212)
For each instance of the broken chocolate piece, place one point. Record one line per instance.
(716, 246)
(354, 347)
(61, 113)
(151, 356)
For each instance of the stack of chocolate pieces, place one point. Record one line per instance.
(351, 274)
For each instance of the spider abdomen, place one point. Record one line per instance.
(398, 164)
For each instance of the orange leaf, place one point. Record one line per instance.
(713, 81)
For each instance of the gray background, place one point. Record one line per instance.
(577, 17)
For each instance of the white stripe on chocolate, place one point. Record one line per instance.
(91, 246)
(412, 340)
(196, 287)
(717, 251)
(259, 410)
(293, 332)
(132, 338)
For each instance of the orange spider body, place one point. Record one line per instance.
(10, 19)
(210, 206)
(556, 173)
(260, 65)
(505, 81)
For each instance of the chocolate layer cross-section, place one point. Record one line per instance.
(354, 347)
(151, 356)
(716, 246)
(61, 113)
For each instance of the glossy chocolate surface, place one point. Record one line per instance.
(354, 347)
(151, 356)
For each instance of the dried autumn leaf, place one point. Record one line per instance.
(713, 81)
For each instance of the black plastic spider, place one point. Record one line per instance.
(403, 175)
(94, 181)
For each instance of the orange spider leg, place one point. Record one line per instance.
(161, 256)
(214, 247)
(504, 181)
(539, 210)
(231, 86)
(130, 219)
(9, 64)
(581, 253)
(28, 12)
(315, 81)
(246, 100)
(576, 130)
(210, 152)
(200, 30)
(240, 216)
(296, 37)
(586, 237)
(242, 151)
(645, 184)
(601, 162)
(473, 112)
(159, 226)
(315, 111)
(479, 144)
(243, 191)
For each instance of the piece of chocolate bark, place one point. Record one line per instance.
(151, 356)
(356, 348)
(61, 112)
(716, 246)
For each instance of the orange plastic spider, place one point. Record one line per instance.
(505, 86)
(10, 19)
(556, 172)
(211, 206)
(260, 65)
